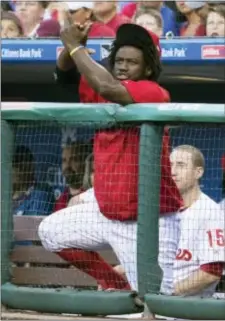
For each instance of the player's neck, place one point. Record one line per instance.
(29, 28)
(191, 196)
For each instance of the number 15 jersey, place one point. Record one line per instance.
(201, 240)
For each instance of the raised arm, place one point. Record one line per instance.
(97, 76)
(64, 61)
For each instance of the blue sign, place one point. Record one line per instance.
(177, 51)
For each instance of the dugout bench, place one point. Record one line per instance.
(32, 265)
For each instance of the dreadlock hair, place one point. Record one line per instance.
(150, 53)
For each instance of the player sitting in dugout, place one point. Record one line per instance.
(134, 69)
(87, 196)
(73, 167)
(200, 259)
(29, 196)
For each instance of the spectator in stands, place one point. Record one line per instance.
(150, 19)
(73, 166)
(55, 10)
(31, 14)
(215, 21)
(29, 196)
(201, 252)
(106, 11)
(168, 16)
(195, 13)
(11, 26)
(82, 12)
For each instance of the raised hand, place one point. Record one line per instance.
(73, 34)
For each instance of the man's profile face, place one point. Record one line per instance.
(183, 171)
(72, 167)
(129, 64)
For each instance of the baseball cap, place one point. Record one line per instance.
(129, 34)
(195, 4)
(76, 5)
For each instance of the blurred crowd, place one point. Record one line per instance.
(41, 19)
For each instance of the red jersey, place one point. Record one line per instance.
(99, 29)
(116, 154)
(117, 21)
(64, 198)
(62, 201)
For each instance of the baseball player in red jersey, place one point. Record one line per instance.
(134, 62)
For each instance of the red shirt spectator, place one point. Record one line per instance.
(106, 11)
(117, 21)
(48, 28)
(99, 29)
(200, 30)
(195, 13)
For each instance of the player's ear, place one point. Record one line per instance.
(199, 172)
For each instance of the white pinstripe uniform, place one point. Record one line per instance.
(201, 240)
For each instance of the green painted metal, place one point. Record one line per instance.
(149, 273)
(176, 112)
(7, 139)
(90, 303)
(186, 308)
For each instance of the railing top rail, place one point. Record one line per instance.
(174, 112)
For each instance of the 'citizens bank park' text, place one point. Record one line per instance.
(22, 53)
